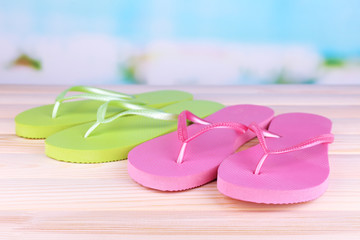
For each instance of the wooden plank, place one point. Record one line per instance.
(125, 195)
(184, 223)
(39, 166)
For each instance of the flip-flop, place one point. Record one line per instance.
(291, 168)
(110, 139)
(41, 122)
(176, 162)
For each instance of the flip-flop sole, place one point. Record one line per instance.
(113, 141)
(272, 196)
(37, 122)
(153, 163)
(292, 177)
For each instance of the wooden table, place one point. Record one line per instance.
(46, 199)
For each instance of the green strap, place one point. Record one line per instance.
(134, 110)
(94, 94)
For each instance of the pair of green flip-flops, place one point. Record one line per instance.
(108, 124)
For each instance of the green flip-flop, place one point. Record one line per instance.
(111, 139)
(43, 121)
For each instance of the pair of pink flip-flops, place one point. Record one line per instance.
(289, 165)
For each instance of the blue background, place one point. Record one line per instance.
(331, 26)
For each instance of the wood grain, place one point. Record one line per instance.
(41, 198)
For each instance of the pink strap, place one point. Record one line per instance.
(182, 123)
(183, 133)
(322, 139)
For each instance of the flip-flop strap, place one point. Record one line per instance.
(183, 133)
(133, 110)
(321, 139)
(92, 93)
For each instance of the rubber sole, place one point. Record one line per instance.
(170, 183)
(113, 141)
(270, 196)
(37, 123)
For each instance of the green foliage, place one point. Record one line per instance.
(27, 61)
(334, 62)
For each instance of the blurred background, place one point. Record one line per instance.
(167, 42)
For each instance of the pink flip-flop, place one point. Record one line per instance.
(292, 167)
(191, 156)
